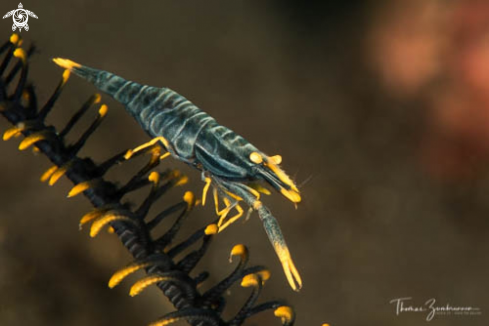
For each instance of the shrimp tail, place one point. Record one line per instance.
(131, 94)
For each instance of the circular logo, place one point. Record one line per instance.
(20, 17)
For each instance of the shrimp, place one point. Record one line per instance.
(227, 161)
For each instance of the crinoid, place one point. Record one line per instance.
(157, 255)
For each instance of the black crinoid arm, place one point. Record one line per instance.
(156, 254)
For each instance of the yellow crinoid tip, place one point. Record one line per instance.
(79, 188)
(12, 132)
(175, 174)
(182, 180)
(211, 229)
(249, 280)
(92, 215)
(20, 53)
(49, 172)
(239, 250)
(189, 197)
(103, 110)
(14, 38)
(265, 275)
(124, 272)
(66, 75)
(57, 174)
(66, 63)
(254, 279)
(142, 284)
(166, 321)
(128, 154)
(154, 177)
(97, 98)
(31, 140)
(26, 95)
(285, 313)
(106, 219)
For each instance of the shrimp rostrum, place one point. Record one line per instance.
(229, 163)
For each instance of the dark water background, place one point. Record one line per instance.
(376, 107)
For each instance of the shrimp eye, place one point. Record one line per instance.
(256, 158)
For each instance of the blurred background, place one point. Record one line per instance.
(380, 110)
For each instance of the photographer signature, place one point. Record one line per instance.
(432, 309)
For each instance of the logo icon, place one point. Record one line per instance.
(20, 17)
